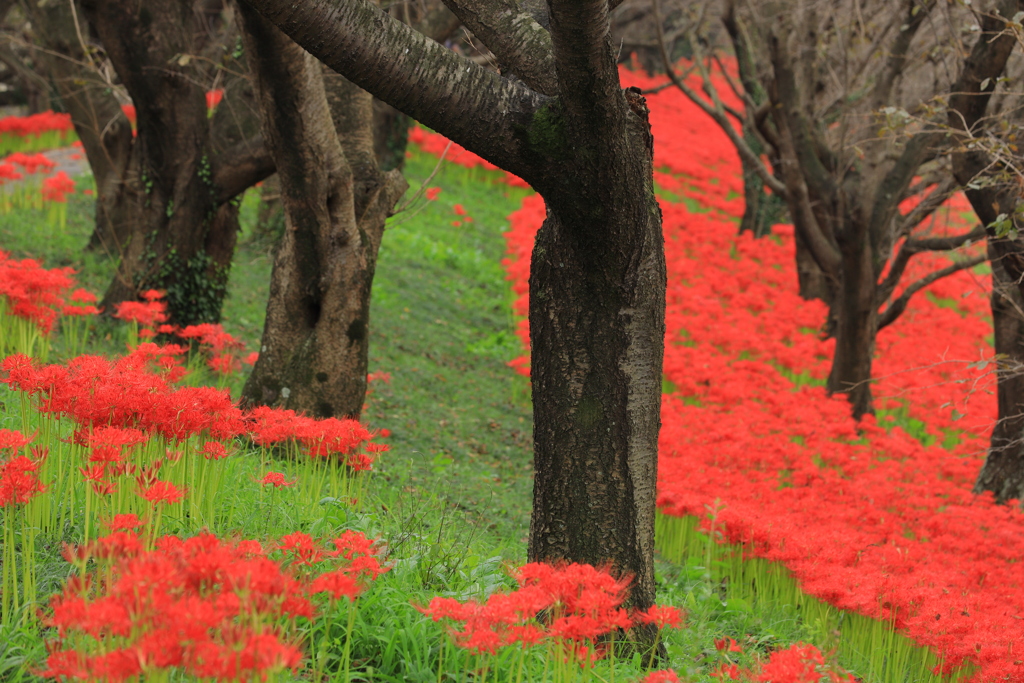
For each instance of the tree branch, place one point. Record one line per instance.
(469, 104)
(927, 206)
(911, 247)
(520, 43)
(241, 167)
(898, 52)
(896, 308)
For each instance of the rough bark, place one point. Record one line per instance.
(313, 354)
(598, 272)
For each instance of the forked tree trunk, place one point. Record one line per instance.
(313, 355)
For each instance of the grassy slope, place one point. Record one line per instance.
(452, 498)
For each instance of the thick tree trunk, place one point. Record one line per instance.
(855, 312)
(597, 326)
(597, 334)
(313, 355)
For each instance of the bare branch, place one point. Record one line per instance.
(241, 167)
(896, 308)
(927, 206)
(521, 44)
(916, 12)
(911, 247)
(716, 111)
(414, 74)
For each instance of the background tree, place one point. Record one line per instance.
(339, 156)
(597, 286)
(833, 76)
(313, 355)
(165, 194)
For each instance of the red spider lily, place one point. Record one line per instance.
(33, 292)
(146, 314)
(583, 601)
(19, 482)
(214, 450)
(57, 187)
(432, 192)
(275, 479)
(31, 162)
(728, 644)
(124, 522)
(161, 492)
(213, 609)
(303, 549)
(663, 617)
(13, 439)
(666, 676)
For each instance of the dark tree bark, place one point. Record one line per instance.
(1003, 472)
(313, 355)
(164, 206)
(598, 271)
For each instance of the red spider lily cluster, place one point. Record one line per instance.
(44, 130)
(57, 187)
(215, 609)
(799, 663)
(33, 299)
(582, 602)
(149, 318)
(96, 394)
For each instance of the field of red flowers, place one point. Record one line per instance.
(124, 459)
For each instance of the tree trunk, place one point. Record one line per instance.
(855, 312)
(1003, 472)
(597, 327)
(597, 286)
(313, 355)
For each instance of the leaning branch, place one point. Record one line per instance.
(899, 305)
(467, 103)
(241, 167)
(521, 44)
(911, 247)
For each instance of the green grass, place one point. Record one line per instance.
(451, 500)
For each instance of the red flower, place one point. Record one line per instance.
(432, 192)
(162, 492)
(275, 479)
